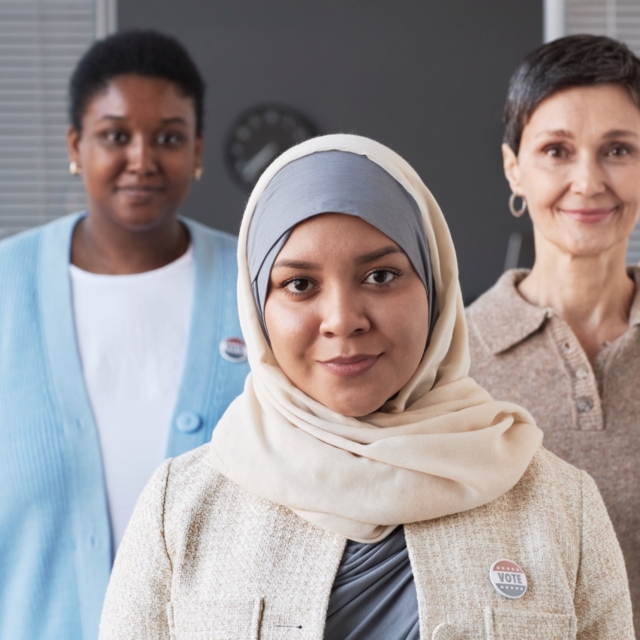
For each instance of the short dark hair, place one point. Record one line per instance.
(573, 61)
(139, 52)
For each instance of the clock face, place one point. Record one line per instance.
(259, 136)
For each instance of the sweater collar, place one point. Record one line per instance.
(504, 318)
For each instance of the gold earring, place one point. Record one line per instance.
(197, 174)
(74, 169)
(512, 205)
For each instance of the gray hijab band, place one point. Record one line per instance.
(335, 182)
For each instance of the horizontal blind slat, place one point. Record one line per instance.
(40, 43)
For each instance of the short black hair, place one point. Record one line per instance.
(573, 61)
(139, 52)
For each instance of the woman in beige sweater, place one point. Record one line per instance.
(363, 486)
(563, 339)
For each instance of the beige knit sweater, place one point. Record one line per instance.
(202, 559)
(589, 411)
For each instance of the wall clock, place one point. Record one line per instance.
(258, 136)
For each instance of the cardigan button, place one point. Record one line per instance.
(582, 373)
(584, 404)
(188, 422)
(444, 631)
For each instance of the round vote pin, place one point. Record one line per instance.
(233, 350)
(508, 579)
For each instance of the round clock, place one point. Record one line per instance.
(260, 135)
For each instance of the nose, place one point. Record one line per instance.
(588, 177)
(141, 156)
(344, 313)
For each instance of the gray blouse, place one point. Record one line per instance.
(374, 594)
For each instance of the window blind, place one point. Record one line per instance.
(40, 43)
(618, 19)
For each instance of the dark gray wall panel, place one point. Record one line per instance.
(426, 78)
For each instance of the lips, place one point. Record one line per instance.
(139, 193)
(589, 216)
(350, 366)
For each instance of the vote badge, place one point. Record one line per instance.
(508, 579)
(233, 350)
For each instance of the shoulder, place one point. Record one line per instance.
(501, 318)
(194, 488)
(502, 294)
(23, 247)
(20, 249)
(203, 232)
(19, 265)
(548, 497)
(189, 471)
(563, 492)
(487, 317)
(548, 474)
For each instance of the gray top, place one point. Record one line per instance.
(374, 594)
(335, 182)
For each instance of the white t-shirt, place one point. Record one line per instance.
(132, 333)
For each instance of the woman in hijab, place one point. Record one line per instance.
(363, 486)
(563, 339)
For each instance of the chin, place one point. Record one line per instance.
(351, 407)
(592, 245)
(140, 219)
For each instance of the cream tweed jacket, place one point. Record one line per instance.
(203, 559)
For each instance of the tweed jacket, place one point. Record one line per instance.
(204, 560)
(589, 411)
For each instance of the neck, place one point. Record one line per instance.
(593, 294)
(100, 246)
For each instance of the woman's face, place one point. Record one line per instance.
(138, 151)
(578, 168)
(346, 313)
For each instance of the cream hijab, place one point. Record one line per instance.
(440, 446)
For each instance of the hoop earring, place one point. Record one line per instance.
(197, 174)
(74, 169)
(512, 205)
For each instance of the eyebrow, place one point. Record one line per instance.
(297, 264)
(177, 119)
(376, 255)
(563, 133)
(364, 259)
(621, 133)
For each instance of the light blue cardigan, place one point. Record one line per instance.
(55, 547)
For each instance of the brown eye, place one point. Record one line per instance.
(556, 151)
(620, 151)
(116, 137)
(298, 285)
(381, 276)
(170, 139)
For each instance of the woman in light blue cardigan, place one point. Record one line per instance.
(136, 138)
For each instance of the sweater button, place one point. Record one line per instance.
(582, 373)
(444, 631)
(584, 404)
(188, 422)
